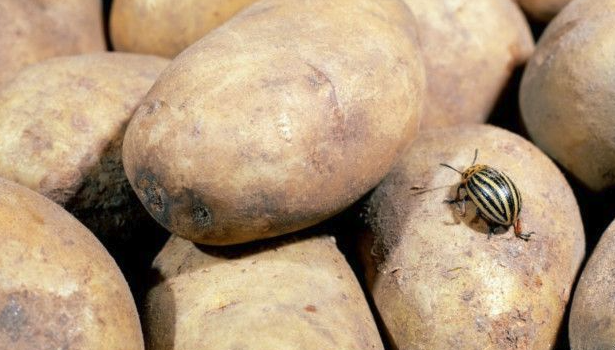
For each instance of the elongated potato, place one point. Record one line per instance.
(59, 289)
(543, 10)
(276, 121)
(33, 30)
(470, 49)
(592, 319)
(167, 27)
(438, 281)
(567, 94)
(63, 121)
(292, 294)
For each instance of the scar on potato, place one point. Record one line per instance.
(153, 195)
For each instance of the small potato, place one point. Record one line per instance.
(167, 27)
(33, 30)
(592, 319)
(62, 123)
(470, 49)
(59, 289)
(291, 294)
(567, 94)
(543, 10)
(279, 119)
(438, 281)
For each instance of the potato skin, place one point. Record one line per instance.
(470, 49)
(543, 10)
(35, 30)
(290, 294)
(436, 279)
(592, 318)
(568, 92)
(275, 122)
(59, 289)
(167, 27)
(63, 122)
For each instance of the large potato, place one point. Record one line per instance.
(470, 49)
(568, 92)
(298, 294)
(33, 30)
(438, 281)
(62, 122)
(59, 289)
(592, 319)
(279, 119)
(167, 27)
(543, 10)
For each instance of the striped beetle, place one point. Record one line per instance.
(496, 197)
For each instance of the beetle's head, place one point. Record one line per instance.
(471, 171)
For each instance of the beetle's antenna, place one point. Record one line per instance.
(450, 167)
(475, 156)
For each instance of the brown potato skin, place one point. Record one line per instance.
(63, 121)
(287, 294)
(592, 318)
(438, 281)
(166, 27)
(35, 30)
(543, 10)
(59, 289)
(568, 92)
(260, 129)
(470, 49)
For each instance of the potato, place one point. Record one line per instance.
(34, 30)
(567, 94)
(59, 289)
(291, 294)
(63, 121)
(592, 318)
(470, 49)
(167, 27)
(438, 281)
(277, 121)
(543, 10)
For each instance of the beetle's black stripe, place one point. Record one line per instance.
(490, 192)
(483, 197)
(504, 194)
(514, 197)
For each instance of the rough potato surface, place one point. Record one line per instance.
(470, 49)
(167, 27)
(592, 319)
(59, 289)
(277, 120)
(292, 294)
(436, 279)
(567, 94)
(33, 30)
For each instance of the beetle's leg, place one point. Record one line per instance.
(491, 231)
(477, 217)
(458, 198)
(519, 233)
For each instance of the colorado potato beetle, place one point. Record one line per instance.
(496, 197)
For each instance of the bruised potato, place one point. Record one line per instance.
(470, 49)
(567, 94)
(59, 289)
(63, 121)
(291, 294)
(33, 30)
(592, 319)
(543, 10)
(437, 281)
(275, 121)
(167, 27)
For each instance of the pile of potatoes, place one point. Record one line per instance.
(294, 174)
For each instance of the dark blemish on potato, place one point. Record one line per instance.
(201, 215)
(12, 319)
(310, 308)
(151, 107)
(153, 195)
(37, 139)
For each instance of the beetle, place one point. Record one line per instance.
(495, 195)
